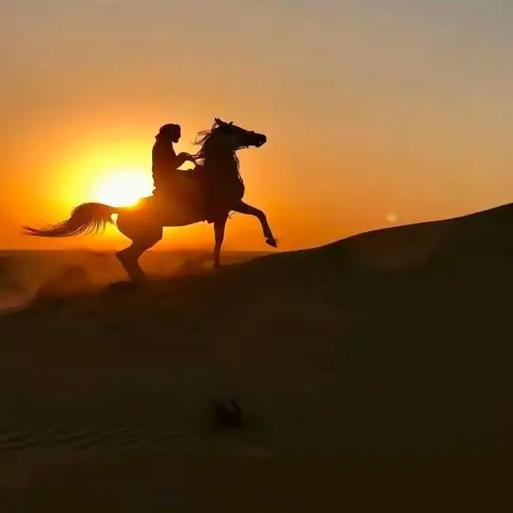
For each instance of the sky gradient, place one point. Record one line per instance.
(377, 113)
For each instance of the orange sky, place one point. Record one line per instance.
(376, 112)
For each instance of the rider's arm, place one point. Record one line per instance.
(165, 160)
(181, 158)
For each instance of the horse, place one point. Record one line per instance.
(215, 190)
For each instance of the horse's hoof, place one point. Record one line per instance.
(272, 242)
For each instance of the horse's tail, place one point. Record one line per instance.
(86, 218)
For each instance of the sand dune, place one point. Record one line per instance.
(390, 344)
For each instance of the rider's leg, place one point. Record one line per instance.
(219, 227)
(244, 208)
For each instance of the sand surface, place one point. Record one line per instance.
(390, 345)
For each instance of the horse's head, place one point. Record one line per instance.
(224, 139)
(237, 137)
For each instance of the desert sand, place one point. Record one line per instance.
(390, 345)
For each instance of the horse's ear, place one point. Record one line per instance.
(219, 121)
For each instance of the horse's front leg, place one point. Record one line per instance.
(219, 228)
(244, 208)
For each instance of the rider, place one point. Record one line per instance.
(165, 162)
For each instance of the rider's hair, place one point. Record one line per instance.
(168, 130)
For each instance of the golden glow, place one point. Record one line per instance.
(355, 156)
(123, 188)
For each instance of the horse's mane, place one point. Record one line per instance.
(208, 140)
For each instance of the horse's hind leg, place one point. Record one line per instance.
(244, 208)
(129, 258)
(143, 239)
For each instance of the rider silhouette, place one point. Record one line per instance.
(165, 162)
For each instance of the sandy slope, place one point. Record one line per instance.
(24, 274)
(390, 344)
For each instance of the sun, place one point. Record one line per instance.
(124, 188)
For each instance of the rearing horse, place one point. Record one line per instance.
(215, 191)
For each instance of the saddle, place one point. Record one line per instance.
(191, 193)
(181, 191)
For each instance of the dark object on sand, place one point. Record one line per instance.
(228, 415)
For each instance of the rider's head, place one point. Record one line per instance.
(170, 131)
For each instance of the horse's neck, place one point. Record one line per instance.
(225, 164)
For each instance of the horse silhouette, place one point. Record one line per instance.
(214, 189)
